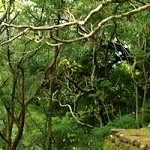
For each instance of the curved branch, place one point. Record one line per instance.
(101, 6)
(73, 115)
(106, 20)
(81, 23)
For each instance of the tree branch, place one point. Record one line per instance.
(81, 23)
(41, 28)
(70, 109)
(104, 21)
(101, 6)
(3, 137)
(73, 115)
(15, 37)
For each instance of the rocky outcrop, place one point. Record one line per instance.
(137, 138)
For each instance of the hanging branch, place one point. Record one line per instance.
(70, 109)
(73, 115)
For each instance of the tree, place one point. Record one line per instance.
(52, 55)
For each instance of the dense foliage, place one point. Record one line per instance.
(71, 70)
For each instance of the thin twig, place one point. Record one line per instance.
(13, 38)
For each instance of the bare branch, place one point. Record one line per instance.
(78, 23)
(54, 44)
(115, 17)
(106, 20)
(15, 37)
(70, 109)
(73, 115)
(74, 22)
(101, 6)
(41, 28)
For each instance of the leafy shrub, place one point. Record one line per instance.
(97, 137)
(68, 135)
(126, 122)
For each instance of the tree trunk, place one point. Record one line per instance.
(49, 121)
(136, 106)
(144, 104)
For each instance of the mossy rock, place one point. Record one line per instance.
(128, 139)
(108, 145)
